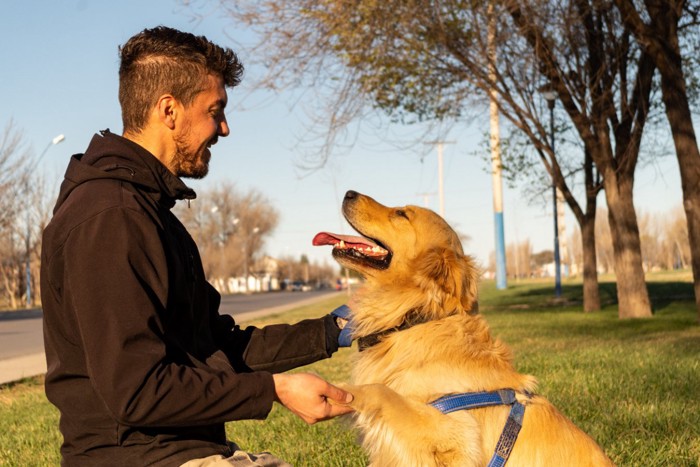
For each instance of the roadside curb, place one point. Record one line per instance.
(21, 314)
(17, 368)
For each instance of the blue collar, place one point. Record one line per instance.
(475, 400)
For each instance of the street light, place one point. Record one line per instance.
(551, 97)
(58, 139)
(53, 142)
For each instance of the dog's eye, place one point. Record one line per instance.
(401, 213)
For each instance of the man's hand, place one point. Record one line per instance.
(311, 398)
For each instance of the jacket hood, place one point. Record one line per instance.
(114, 157)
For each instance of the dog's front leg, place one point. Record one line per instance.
(402, 431)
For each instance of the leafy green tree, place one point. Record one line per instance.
(424, 60)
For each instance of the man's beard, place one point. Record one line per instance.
(186, 163)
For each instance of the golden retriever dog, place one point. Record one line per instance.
(421, 338)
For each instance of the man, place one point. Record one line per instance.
(141, 366)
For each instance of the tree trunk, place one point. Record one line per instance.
(10, 285)
(632, 295)
(591, 287)
(681, 121)
(591, 292)
(660, 39)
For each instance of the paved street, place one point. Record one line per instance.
(22, 346)
(242, 305)
(20, 333)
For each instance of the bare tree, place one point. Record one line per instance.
(659, 27)
(676, 241)
(14, 161)
(39, 202)
(665, 242)
(650, 235)
(198, 217)
(11, 261)
(230, 228)
(518, 264)
(609, 115)
(14, 180)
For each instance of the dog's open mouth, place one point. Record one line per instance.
(358, 249)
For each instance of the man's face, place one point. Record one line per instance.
(204, 121)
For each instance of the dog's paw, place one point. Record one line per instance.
(370, 397)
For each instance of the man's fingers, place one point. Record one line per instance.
(339, 396)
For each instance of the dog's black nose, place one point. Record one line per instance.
(351, 195)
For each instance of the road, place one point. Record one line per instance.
(243, 305)
(20, 333)
(22, 345)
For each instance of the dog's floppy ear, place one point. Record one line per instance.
(454, 276)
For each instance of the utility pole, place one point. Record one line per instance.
(440, 144)
(426, 197)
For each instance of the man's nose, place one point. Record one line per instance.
(223, 128)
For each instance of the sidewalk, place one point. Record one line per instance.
(21, 366)
(25, 366)
(17, 368)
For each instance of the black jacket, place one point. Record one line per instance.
(141, 366)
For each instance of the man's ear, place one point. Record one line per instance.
(167, 108)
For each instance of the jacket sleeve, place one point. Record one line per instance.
(278, 347)
(116, 278)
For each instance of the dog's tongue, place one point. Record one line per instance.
(348, 241)
(327, 238)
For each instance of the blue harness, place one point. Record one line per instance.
(475, 400)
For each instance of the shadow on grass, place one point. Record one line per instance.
(541, 296)
(547, 316)
(663, 294)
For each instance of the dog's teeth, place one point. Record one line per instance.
(342, 244)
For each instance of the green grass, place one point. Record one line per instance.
(29, 433)
(634, 385)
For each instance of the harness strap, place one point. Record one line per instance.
(475, 400)
(508, 436)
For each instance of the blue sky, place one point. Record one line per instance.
(58, 74)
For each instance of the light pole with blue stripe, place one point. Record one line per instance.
(494, 140)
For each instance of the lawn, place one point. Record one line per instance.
(632, 385)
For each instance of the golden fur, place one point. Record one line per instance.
(452, 352)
